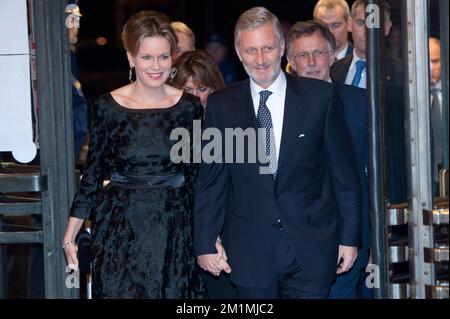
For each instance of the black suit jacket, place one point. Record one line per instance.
(355, 110)
(316, 193)
(349, 49)
(340, 68)
(393, 70)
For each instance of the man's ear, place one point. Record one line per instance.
(349, 25)
(238, 52)
(387, 27)
(331, 58)
(292, 64)
(282, 46)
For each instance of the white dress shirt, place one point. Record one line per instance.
(352, 71)
(343, 53)
(275, 104)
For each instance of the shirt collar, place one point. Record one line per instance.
(277, 87)
(438, 86)
(355, 59)
(342, 54)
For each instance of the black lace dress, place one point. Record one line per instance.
(142, 220)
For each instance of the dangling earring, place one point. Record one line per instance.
(130, 77)
(173, 72)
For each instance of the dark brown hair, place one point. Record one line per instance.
(307, 29)
(147, 24)
(201, 66)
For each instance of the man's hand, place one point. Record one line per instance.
(346, 258)
(215, 263)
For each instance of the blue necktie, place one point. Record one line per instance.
(360, 66)
(265, 121)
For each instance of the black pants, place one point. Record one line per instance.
(291, 283)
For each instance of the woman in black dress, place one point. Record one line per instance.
(142, 220)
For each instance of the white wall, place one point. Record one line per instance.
(16, 127)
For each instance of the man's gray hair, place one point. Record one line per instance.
(331, 4)
(255, 18)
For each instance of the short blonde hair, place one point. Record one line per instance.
(331, 4)
(181, 27)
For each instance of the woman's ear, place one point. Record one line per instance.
(130, 59)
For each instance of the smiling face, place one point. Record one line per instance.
(152, 62)
(260, 52)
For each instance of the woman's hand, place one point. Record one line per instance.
(70, 250)
(69, 246)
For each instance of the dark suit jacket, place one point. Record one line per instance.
(349, 49)
(393, 69)
(316, 189)
(340, 68)
(355, 109)
(395, 131)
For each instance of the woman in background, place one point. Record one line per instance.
(199, 74)
(142, 220)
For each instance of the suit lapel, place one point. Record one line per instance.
(244, 114)
(295, 109)
(243, 109)
(340, 68)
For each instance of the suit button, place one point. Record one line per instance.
(278, 224)
(276, 196)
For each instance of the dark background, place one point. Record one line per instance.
(102, 68)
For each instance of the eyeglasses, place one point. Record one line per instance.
(264, 50)
(318, 54)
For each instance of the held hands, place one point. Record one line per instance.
(215, 263)
(346, 258)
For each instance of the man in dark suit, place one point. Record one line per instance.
(351, 70)
(436, 114)
(288, 229)
(311, 52)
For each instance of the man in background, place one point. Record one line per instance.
(185, 37)
(335, 15)
(311, 52)
(436, 109)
